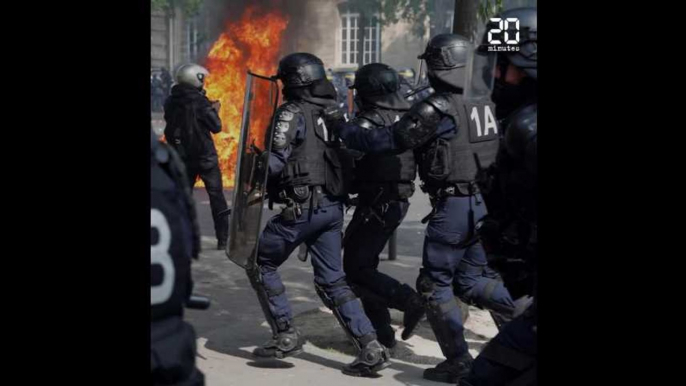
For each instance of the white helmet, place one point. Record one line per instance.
(192, 75)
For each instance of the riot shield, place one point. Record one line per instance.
(480, 73)
(259, 107)
(479, 110)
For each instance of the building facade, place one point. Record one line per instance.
(346, 38)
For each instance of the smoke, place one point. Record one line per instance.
(217, 14)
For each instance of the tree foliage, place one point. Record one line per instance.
(414, 12)
(488, 9)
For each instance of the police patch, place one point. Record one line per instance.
(282, 127)
(286, 116)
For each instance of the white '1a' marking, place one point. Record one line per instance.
(490, 121)
(488, 118)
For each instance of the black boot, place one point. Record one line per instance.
(414, 312)
(373, 357)
(386, 336)
(450, 370)
(221, 244)
(284, 344)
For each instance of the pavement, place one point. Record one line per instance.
(234, 324)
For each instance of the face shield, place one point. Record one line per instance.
(480, 73)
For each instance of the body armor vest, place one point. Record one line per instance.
(319, 159)
(456, 160)
(384, 169)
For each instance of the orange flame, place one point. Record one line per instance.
(250, 43)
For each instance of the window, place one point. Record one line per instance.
(350, 30)
(192, 43)
(371, 42)
(349, 37)
(449, 20)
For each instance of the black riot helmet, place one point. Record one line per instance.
(446, 58)
(300, 69)
(379, 85)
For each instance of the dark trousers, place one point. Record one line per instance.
(366, 237)
(451, 265)
(321, 231)
(212, 178)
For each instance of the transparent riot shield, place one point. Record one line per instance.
(259, 107)
(480, 73)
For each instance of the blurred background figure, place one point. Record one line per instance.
(157, 93)
(166, 80)
(407, 83)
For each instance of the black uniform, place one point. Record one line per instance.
(384, 182)
(450, 136)
(173, 242)
(190, 121)
(510, 232)
(307, 173)
(510, 235)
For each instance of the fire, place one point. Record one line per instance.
(250, 43)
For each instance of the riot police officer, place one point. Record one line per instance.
(383, 182)
(174, 241)
(509, 231)
(450, 136)
(306, 174)
(191, 119)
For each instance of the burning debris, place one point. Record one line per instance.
(251, 43)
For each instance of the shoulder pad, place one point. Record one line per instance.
(440, 102)
(426, 111)
(369, 119)
(285, 124)
(521, 130)
(364, 122)
(417, 126)
(287, 112)
(291, 106)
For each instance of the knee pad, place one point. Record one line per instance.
(334, 303)
(425, 286)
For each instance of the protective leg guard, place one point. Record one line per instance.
(437, 315)
(285, 340)
(500, 312)
(283, 344)
(372, 356)
(263, 295)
